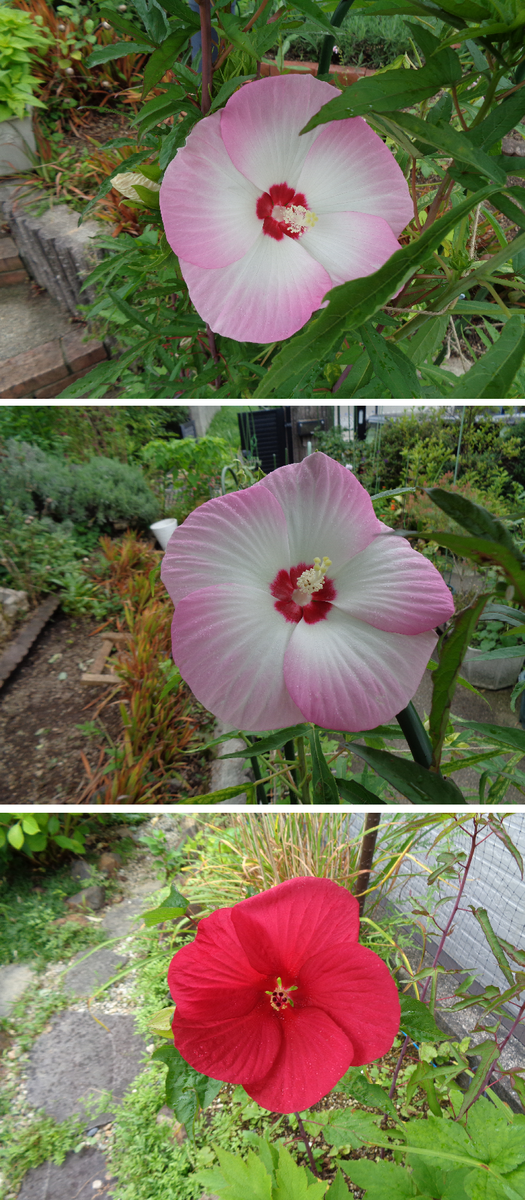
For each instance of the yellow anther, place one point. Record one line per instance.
(312, 580)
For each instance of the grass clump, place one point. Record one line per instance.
(29, 906)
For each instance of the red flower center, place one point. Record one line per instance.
(280, 997)
(283, 211)
(304, 592)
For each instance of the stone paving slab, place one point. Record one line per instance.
(121, 919)
(92, 973)
(72, 1181)
(14, 979)
(78, 1057)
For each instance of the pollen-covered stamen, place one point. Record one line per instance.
(313, 579)
(284, 212)
(280, 997)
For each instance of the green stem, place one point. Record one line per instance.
(325, 56)
(301, 758)
(416, 735)
(289, 754)
(260, 790)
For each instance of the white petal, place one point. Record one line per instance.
(349, 244)
(393, 587)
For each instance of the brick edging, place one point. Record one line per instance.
(45, 370)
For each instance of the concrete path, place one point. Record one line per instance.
(86, 1051)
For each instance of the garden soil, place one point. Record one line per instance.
(46, 759)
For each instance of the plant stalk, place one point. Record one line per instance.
(416, 735)
(301, 759)
(304, 1138)
(366, 856)
(325, 56)
(206, 57)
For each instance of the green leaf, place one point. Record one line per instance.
(104, 54)
(228, 89)
(244, 1179)
(75, 844)
(163, 59)
(371, 1095)
(161, 1023)
(381, 1180)
(173, 906)
(324, 786)
(426, 340)
(338, 1189)
(119, 22)
(29, 825)
(395, 370)
(415, 782)
(483, 551)
(492, 375)
(473, 517)
(292, 1181)
(444, 678)
(15, 836)
(418, 1022)
(482, 917)
(315, 13)
(351, 304)
(356, 793)
(488, 1053)
(347, 1127)
(223, 794)
(455, 145)
(389, 91)
(274, 741)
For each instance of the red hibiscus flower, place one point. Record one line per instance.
(277, 994)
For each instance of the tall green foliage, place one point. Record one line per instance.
(443, 110)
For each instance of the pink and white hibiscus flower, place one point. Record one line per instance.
(265, 222)
(294, 603)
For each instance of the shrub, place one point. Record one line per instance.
(18, 37)
(102, 491)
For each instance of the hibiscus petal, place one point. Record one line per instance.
(314, 1054)
(392, 587)
(328, 513)
(349, 168)
(239, 539)
(354, 986)
(266, 296)
(350, 244)
(345, 674)
(238, 1050)
(208, 207)
(283, 927)
(260, 127)
(229, 643)
(211, 977)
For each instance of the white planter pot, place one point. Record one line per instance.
(163, 530)
(16, 139)
(491, 673)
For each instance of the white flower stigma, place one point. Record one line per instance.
(312, 580)
(298, 218)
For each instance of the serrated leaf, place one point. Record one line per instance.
(381, 1180)
(338, 1189)
(371, 1095)
(413, 781)
(173, 906)
(455, 145)
(484, 551)
(473, 517)
(348, 1127)
(163, 59)
(389, 91)
(119, 22)
(352, 304)
(244, 1179)
(291, 1181)
(227, 90)
(395, 370)
(418, 1022)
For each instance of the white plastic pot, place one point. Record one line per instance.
(163, 530)
(16, 141)
(491, 673)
